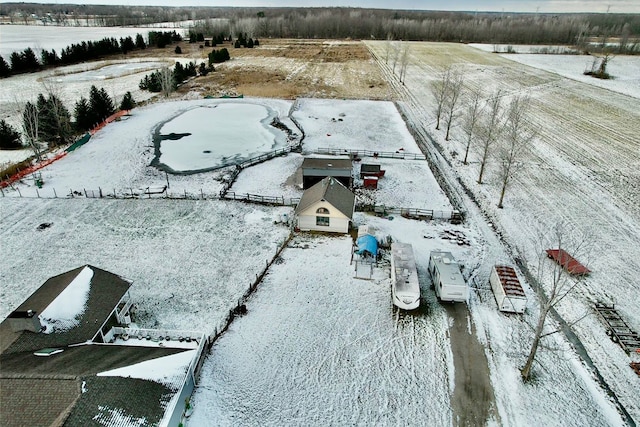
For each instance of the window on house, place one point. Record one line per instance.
(323, 211)
(322, 221)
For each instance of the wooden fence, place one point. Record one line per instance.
(259, 199)
(369, 153)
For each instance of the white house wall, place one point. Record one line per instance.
(338, 222)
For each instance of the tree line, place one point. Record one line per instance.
(27, 60)
(360, 23)
(48, 121)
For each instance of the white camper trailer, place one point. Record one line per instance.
(405, 288)
(507, 289)
(446, 277)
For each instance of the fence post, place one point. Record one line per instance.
(19, 191)
(85, 192)
(2, 191)
(185, 193)
(100, 190)
(55, 194)
(201, 194)
(71, 192)
(37, 193)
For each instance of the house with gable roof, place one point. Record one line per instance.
(69, 358)
(326, 206)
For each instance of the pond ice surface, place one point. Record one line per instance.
(109, 71)
(220, 135)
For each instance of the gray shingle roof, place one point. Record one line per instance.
(331, 191)
(107, 289)
(47, 391)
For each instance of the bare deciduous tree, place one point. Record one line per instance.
(451, 100)
(561, 282)
(30, 128)
(395, 54)
(166, 81)
(404, 61)
(517, 138)
(387, 48)
(470, 121)
(490, 130)
(440, 89)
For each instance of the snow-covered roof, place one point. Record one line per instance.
(83, 380)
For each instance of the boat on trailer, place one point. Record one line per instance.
(405, 288)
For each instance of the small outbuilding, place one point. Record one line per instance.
(370, 169)
(326, 206)
(315, 169)
(370, 182)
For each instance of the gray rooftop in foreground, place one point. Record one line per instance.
(64, 389)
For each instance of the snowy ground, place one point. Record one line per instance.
(191, 260)
(16, 38)
(117, 159)
(625, 78)
(583, 171)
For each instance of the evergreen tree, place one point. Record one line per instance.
(151, 82)
(178, 50)
(140, 44)
(16, 63)
(127, 44)
(128, 102)
(5, 70)
(250, 43)
(82, 113)
(9, 137)
(54, 121)
(29, 60)
(101, 104)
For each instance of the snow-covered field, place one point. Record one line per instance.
(624, 69)
(582, 171)
(317, 346)
(16, 38)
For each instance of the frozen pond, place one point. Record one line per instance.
(109, 71)
(213, 136)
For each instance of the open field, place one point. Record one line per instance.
(582, 170)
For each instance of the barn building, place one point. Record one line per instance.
(315, 169)
(327, 206)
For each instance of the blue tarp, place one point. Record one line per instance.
(367, 244)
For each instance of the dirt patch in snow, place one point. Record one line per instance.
(473, 401)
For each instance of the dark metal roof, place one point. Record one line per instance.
(63, 389)
(326, 163)
(107, 289)
(331, 191)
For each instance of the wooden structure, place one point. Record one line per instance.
(370, 182)
(569, 263)
(618, 329)
(370, 169)
(315, 169)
